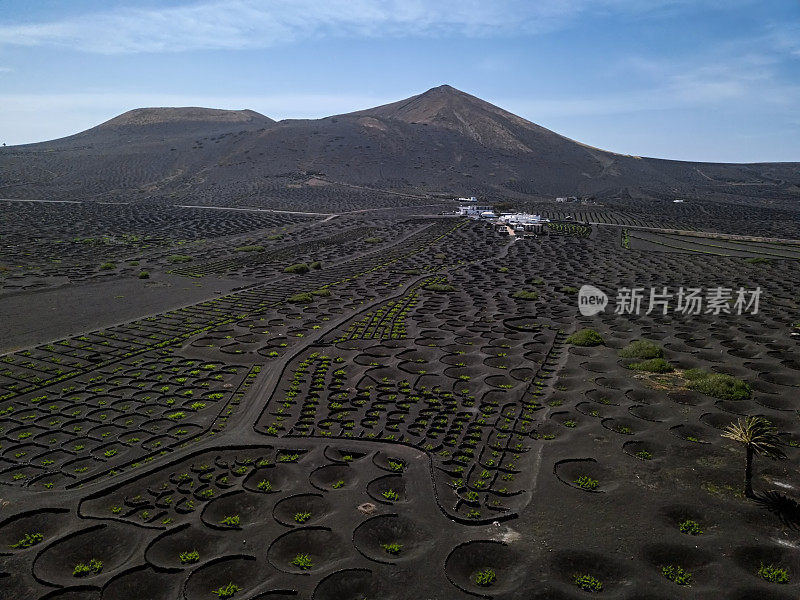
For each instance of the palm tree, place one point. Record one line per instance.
(759, 436)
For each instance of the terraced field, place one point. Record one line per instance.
(395, 405)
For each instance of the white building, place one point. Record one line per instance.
(474, 210)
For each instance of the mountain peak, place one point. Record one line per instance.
(447, 107)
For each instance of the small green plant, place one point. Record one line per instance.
(251, 248)
(485, 577)
(189, 557)
(391, 495)
(179, 258)
(644, 455)
(264, 486)
(108, 266)
(587, 582)
(585, 337)
(773, 574)
(336, 485)
(230, 521)
(302, 517)
(586, 483)
(83, 569)
(144, 275)
(302, 562)
(690, 527)
(28, 540)
(226, 591)
(676, 574)
(393, 549)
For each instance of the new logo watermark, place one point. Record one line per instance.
(591, 300)
(664, 300)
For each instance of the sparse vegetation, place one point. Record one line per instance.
(585, 337)
(28, 540)
(525, 295)
(653, 365)
(297, 268)
(586, 483)
(773, 574)
(642, 349)
(690, 527)
(302, 562)
(587, 582)
(189, 557)
(676, 574)
(226, 591)
(485, 577)
(717, 385)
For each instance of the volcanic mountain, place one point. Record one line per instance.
(443, 141)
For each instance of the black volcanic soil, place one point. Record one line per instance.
(392, 421)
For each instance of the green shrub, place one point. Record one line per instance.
(568, 289)
(717, 385)
(264, 486)
(30, 539)
(653, 365)
(144, 275)
(773, 574)
(297, 268)
(189, 557)
(585, 337)
(391, 495)
(302, 517)
(587, 583)
(643, 349)
(644, 455)
(108, 266)
(485, 577)
(586, 483)
(226, 591)
(525, 295)
(690, 527)
(93, 566)
(676, 574)
(179, 258)
(440, 287)
(757, 260)
(231, 521)
(251, 248)
(301, 298)
(393, 549)
(315, 265)
(303, 562)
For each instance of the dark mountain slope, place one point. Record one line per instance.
(443, 140)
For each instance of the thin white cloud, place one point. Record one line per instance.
(246, 24)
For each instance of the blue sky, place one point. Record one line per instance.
(715, 80)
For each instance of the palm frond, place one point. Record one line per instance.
(757, 433)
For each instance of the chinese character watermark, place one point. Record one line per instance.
(665, 300)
